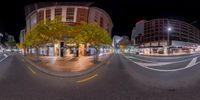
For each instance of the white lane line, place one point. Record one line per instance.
(3, 58)
(172, 70)
(192, 63)
(154, 64)
(5, 55)
(157, 57)
(159, 63)
(138, 59)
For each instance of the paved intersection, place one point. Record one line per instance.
(118, 79)
(165, 64)
(3, 56)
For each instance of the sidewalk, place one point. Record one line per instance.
(67, 64)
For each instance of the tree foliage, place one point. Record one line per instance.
(90, 33)
(20, 46)
(53, 31)
(45, 32)
(10, 44)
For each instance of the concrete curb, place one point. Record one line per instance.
(67, 74)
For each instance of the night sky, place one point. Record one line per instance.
(124, 13)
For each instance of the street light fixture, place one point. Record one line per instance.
(169, 29)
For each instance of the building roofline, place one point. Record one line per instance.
(31, 7)
(107, 15)
(174, 20)
(60, 3)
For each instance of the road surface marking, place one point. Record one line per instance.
(5, 55)
(32, 70)
(157, 57)
(160, 63)
(2, 59)
(86, 79)
(138, 59)
(191, 64)
(154, 64)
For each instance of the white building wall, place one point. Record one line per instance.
(75, 14)
(64, 12)
(28, 26)
(98, 13)
(52, 13)
(33, 20)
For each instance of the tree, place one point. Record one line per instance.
(72, 33)
(21, 46)
(123, 44)
(50, 31)
(92, 34)
(10, 44)
(54, 31)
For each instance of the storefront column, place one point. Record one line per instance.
(61, 51)
(166, 50)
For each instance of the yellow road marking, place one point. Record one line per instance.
(86, 79)
(32, 70)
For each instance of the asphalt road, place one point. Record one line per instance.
(121, 78)
(1, 56)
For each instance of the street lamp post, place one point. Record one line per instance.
(169, 29)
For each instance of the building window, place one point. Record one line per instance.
(108, 28)
(82, 15)
(96, 17)
(40, 16)
(48, 14)
(58, 12)
(101, 21)
(70, 14)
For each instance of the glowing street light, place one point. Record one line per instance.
(169, 29)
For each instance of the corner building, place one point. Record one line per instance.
(70, 12)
